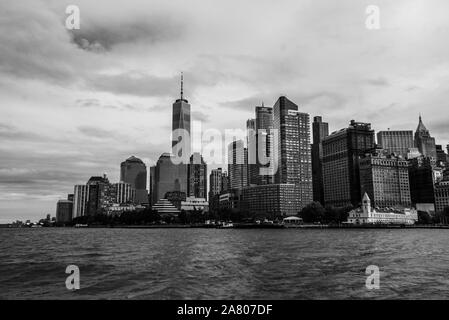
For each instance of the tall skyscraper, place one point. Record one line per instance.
(293, 148)
(264, 117)
(441, 156)
(398, 142)
(264, 129)
(215, 181)
(181, 123)
(237, 165)
(80, 197)
(341, 153)
(168, 177)
(134, 172)
(197, 177)
(385, 179)
(320, 131)
(424, 141)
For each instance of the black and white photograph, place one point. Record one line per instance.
(240, 151)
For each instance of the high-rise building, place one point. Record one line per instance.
(124, 193)
(215, 182)
(64, 209)
(264, 117)
(168, 177)
(385, 179)
(424, 141)
(320, 131)
(441, 195)
(134, 172)
(341, 153)
(398, 142)
(422, 180)
(100, 195)
(237, 165)
(265, 144)
(181, 125)
(293, 154)
(197, 177)
(80, 197)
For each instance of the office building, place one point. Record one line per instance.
(385, 179)
(424, 141)
(80, 197)
(441, 156)
(396, 141)
(168, 176)
(134, 172)
(422, 172)
(320, 130)
(124, 193)
(442, 195)
(197, 177)
(64, 210)
(237, 165)
(341, 152)
(293, 153)
(100, 195)
(181, 127)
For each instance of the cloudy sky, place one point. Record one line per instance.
(77, 103)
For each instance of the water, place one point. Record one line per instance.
(223, 264)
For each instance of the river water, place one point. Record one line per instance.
(224, 263)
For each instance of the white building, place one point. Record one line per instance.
(80, 198)
(368, 215)
(195, 204)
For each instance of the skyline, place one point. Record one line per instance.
(99, 102)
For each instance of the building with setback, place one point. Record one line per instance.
(424, 141)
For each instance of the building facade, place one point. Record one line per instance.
(398, 142)
(64, 210)
(168, 176)
(341, 153)
(385, 179)
(197, 177)
(124, 193)
(320, 130)
(441, 196)
(237, 165)
(80, 198)
(424, 141)
(134, 172)
(422, 180)
(293, 153)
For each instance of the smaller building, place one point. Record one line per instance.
(64, 209)
(195, 204)
(368, 215)
(441, 195)
(165, 208)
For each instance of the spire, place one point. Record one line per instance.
(421, 126)
(182, 86)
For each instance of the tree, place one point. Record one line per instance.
(313, 212)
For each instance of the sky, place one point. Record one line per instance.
(76, 103)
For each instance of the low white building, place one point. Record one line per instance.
(195, 204)
(368, 215)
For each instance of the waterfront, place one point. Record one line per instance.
(223, 264)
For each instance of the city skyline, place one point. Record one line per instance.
(107, 108)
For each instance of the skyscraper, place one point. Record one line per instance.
(215, 181)
(167, 177)
(293, 148)
(124, 193)
(237, 165)
(320, 131)
(181, 125)
(134, 172)
(341, 153)
(441, 155)
(80, 197)
(398, 142)
(424, 141)
(197, 177)
(264, 129)
(422, 180)
(385, 179)
(100, 195)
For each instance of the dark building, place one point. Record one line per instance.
(265, 146)
(341, 153)
(422, 180)
(272, 200)
(320, 131)
(100, 195)
(197, 177)
(398, 142)
(64, 210)
(134, 172)
(385, 179)
(424, 141)
(293, 153)
(168, 177)
(441, 156)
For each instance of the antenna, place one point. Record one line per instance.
(182, 86)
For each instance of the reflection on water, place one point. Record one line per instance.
(223, 264)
